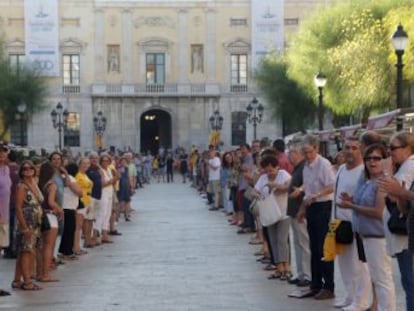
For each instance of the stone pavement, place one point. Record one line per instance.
(174, 255)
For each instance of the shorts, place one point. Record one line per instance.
(93, 209)
(54, 224)
(81, 211)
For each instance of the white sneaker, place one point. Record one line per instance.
(353, 307)
(341, 303)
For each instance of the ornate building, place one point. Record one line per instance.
(157, 70)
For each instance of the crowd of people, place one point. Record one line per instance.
(371, 182)
(78, 199)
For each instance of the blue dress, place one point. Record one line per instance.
(124, 192)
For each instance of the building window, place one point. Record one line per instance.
(155, 68)
(71, 136)
(16, 60)
(71, 73)
(238, 127)
(237, 22)
(239, 73)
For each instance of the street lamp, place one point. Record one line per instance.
(21, 109)
(60, 120)
(320, 82)
(99, 124)
(216, 121)
(254, 114)
(399, 41)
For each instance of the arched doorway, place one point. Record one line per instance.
(155, 131)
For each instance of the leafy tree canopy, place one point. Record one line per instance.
(287, 101)
(351, 44)
(19, 84)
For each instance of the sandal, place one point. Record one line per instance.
(16, 284)
(283, 276)
(30, 286)
(80, 252)
(274, 276)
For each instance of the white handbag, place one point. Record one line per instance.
(269, 211)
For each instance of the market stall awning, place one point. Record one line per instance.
(349, 131)
(382, 120)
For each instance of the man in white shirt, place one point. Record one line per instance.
(354, 273)
(214, 164)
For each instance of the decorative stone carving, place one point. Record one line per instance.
(113, 58)
(72, 45)
(237, 45)
(197, 58)
(154, 21)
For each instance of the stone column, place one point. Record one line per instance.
(99, 45)
(183, 47)
(210, 45)
(126, 49)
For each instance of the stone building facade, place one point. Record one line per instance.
(157, 70)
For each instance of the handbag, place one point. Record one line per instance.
(397, 223)
(269, 211)
(45, 223)
(344, 233)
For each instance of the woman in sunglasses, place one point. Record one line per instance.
(368, 206)
(29, 212)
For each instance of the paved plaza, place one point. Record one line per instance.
(174, 255)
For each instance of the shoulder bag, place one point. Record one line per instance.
(397, 223)
(269, 211)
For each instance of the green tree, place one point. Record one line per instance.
(19, 84)
(351, 43)
(287, 101)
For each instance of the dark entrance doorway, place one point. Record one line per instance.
(155, 131)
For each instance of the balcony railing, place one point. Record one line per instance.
(69, 88)
(171, 89)
(239, 88)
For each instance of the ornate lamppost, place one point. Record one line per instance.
(216, 123)
(320, 82)
(399, 41)
(99, 124)
(254, 114)
(21, 109)
(59, 120)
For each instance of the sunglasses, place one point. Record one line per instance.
(373, 158)
(392, 148)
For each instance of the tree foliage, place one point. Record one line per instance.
(351, 43)
(19, 84)
(287, 101)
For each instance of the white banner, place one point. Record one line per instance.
(267, 28)
(42, 35)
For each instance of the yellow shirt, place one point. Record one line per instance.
(86, 186)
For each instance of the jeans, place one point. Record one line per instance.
(318, 216)
(405, 263)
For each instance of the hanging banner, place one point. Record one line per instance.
(42, 35)
(267, 28)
